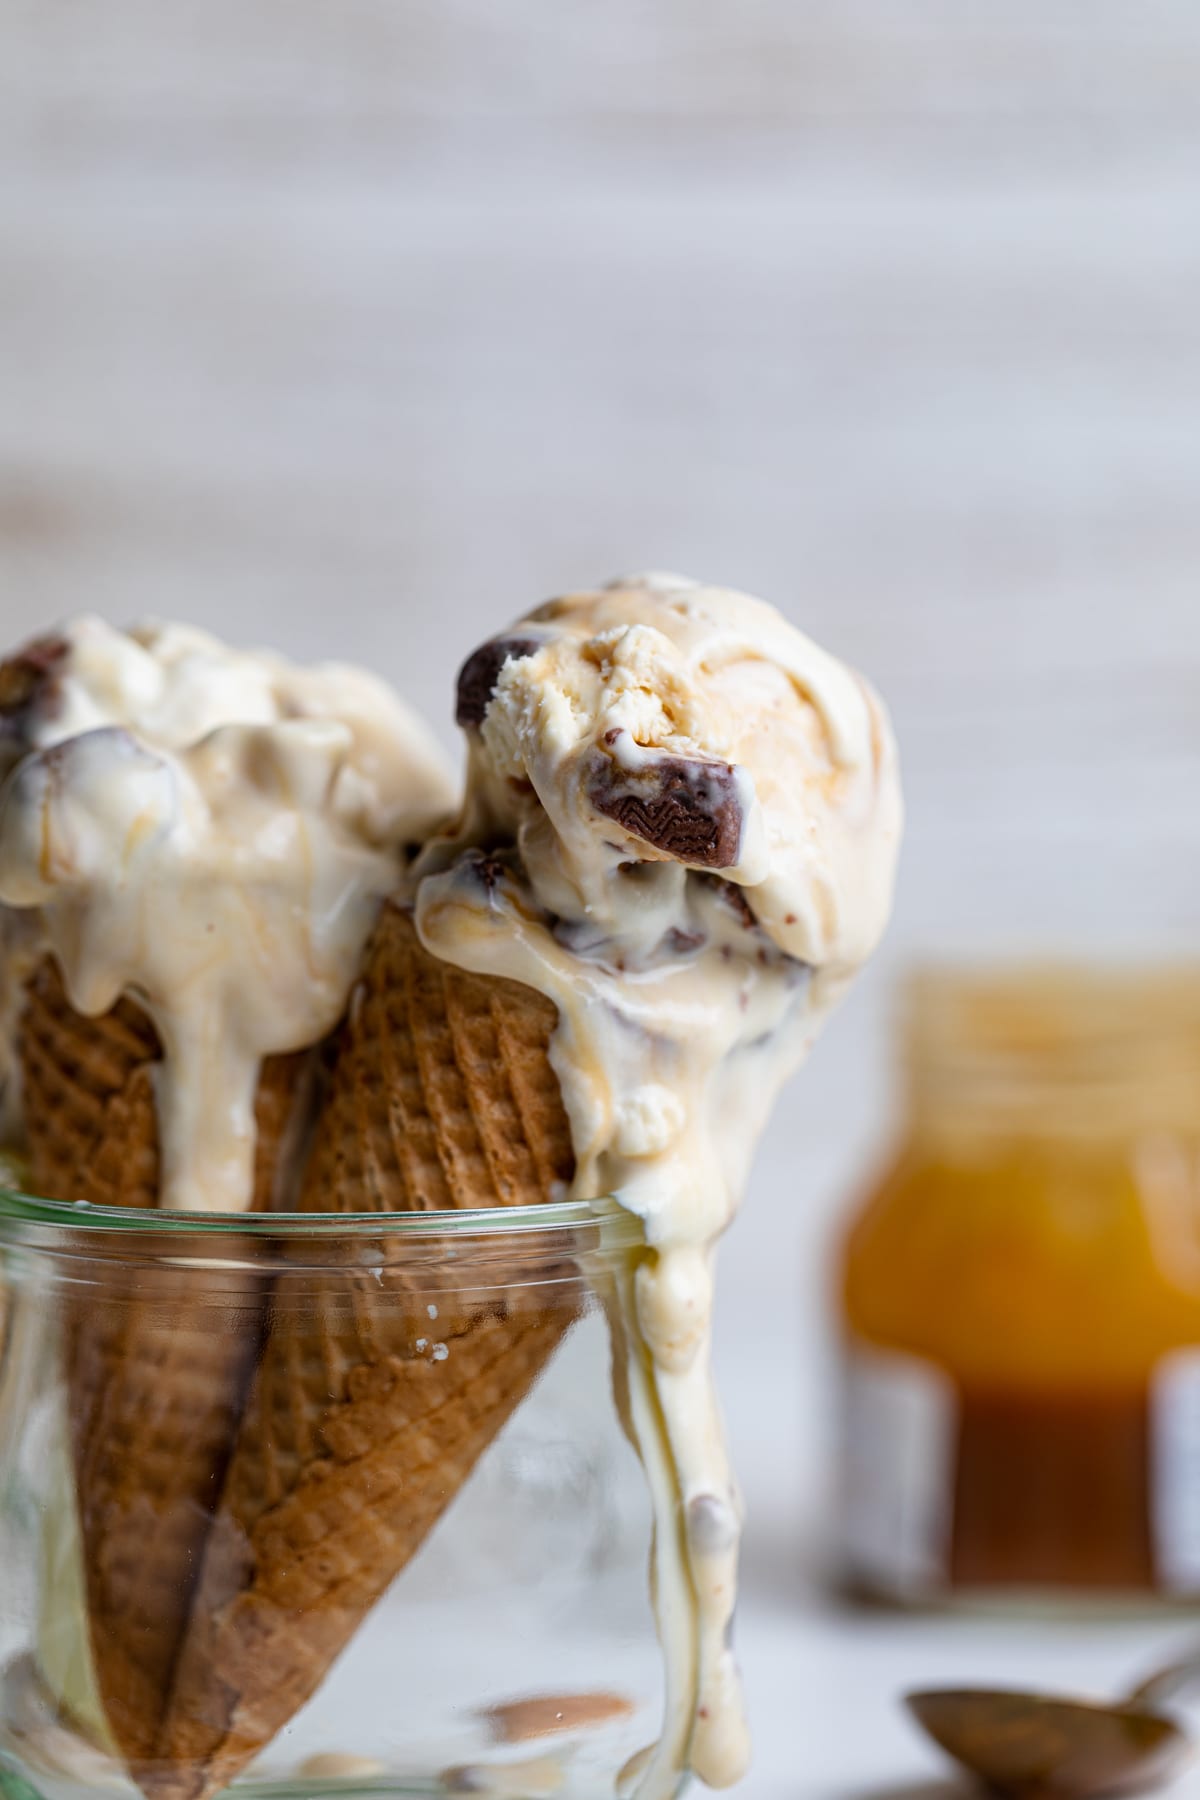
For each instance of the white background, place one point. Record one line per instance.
(360, 326)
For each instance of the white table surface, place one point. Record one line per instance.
(824, 1682)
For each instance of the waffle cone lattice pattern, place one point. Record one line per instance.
(297, 1468)
(155, 1382)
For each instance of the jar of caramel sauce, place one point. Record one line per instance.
(1020, 1297)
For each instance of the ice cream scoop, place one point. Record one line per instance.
(213, 830)
(1043, 1747)
(681, 825)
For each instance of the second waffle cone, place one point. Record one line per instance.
(155, 1381)
(356, 1439)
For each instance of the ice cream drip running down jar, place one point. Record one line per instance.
(352, 1109)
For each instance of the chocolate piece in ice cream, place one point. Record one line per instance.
(687, 808)
(479, 674)
(29, 685)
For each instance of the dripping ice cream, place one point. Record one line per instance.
(681, 825)
(213, 831)
(194, 845)
(674, 849)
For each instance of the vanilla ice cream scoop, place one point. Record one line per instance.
(681, 824)
(656, 721)
(212, 831)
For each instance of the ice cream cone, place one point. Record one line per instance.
(88, 1102)
(155, 1377)
(365, 1419)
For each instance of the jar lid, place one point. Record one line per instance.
(1055, 1049)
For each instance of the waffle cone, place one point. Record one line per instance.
(356, 1439)
(155, 1382)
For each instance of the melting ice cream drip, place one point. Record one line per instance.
(702, 812)
(696, 815)
(212, 831)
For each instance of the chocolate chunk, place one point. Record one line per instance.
(684, 807)
(490, 871)
(29, 682)
(684, 942)
(735, 899)
(497, 875)
(479, 674)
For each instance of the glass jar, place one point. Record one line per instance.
(1021, 1297)
(322, 1505)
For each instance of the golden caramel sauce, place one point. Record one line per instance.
(1037, 1242)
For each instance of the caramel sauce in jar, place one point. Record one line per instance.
(1021, 1297)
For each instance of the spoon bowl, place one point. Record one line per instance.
(1047, 1748)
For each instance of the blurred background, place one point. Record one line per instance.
(359, 328)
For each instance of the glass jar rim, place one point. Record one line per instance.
(1056, 1050)
(622, 1227)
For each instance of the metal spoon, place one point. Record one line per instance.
(1042, 1747)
